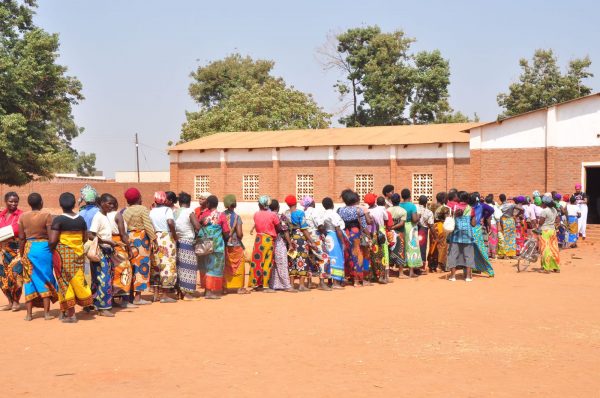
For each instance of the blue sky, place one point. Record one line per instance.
(134, 57)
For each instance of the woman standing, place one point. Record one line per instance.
(411, 233)
(280, 276)
(425, 224)
(318, 259)
(493, 232)
(356, 224)
(102, 272)
(581, 199)
(122, 270)
(36, 257)
(573, 215)
(235, 267)
(265, 222)
(334, 242)
(438, 246)
(507, 243)
(461, 250)
(67, 235)
(548, 242)
(301, 243)
(186, 227)
(11, 269)
(482, 213)
(213, 226)
(164, 276)
(397, 252)
(141, 236)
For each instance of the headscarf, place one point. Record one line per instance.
(228, 200)
(557, 197)
(566, 197)
(547, 199)
(88, 194)
(264, 200)
(520, 199)
(291, 200)
(132, 195)
(578, 186)
(160, 197)
(204, 195)
(307, 201)
(536, 194)
(370, 199)
(297, 218)
(537, 200)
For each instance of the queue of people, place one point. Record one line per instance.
(106, 255)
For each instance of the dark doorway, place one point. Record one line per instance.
(592, 187)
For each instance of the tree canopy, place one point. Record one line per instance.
(36, 97)
(239, 94)
(388, 85)
(542, 84)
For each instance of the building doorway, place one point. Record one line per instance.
(592, 188)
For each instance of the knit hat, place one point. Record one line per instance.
(291, 200)
(370, 199)
(132, 195)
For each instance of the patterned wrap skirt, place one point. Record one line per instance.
(38, 276)
(493, 241)
(482, 260)
(72, 286)
(212, 266)
(354, 255)
(549, 250)
(423, 237)
(11, 270)
(235, 267)
(573, 228)
(164, 271)
(438, 246)
(187, 265)
(397, 252)
(507, 239)
(141, 262)
(412, 249)
(335, 251)
(122, 270)
(262, 261)
(102, 280)
(298, 265)
(280, 274)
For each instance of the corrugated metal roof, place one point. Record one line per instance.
(381, 135)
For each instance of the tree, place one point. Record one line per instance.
(432, 77)
(36, 97)
(270, 106)
(542, 84)
(238, 94)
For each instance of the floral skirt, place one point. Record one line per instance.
(164, 272)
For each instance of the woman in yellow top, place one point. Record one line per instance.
(67, 234)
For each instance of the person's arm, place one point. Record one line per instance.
(288, 239)
(195, 223)
(339, 234)
(171, 225)
(121, 227)
(148, 226)
(473, 219)
(95, 227)
(399, 225)
(53, 235)
(21, 239)
(239, 230)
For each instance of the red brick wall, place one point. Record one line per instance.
(50, 191)
(346, 170)
(406, 168)
(567, 163)
(462, 175)
(289, 170)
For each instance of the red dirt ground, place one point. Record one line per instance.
(516, 335)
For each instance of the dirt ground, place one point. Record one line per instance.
(517, 335)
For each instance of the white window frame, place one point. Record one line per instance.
(250, 187)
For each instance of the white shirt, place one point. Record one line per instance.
(183, 225)
(332, 220)
(379, 215)
(101, 226)
(426, 219)
(573, 210)
(529, 212)
(314, 218)
(113, 223)
(160, 216)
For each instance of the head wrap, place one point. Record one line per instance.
(537, 200)
(132, 195)
(160, 197)
(88, 194)
(291, 200)
(204, 195)
(264, 200)
(527, 199)
(557, 196)
(228, 200)
(307, 201)
(565, 197)
(370, 199)
(578, 186)
(547, 199)
(395, 198)
(520, 199)
(536, 194)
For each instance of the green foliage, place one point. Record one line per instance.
(239, 94)
(542, 84)
(383, 79)
(36, 96)
(270, 106)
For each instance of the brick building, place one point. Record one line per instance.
(549, 149)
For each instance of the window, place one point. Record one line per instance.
(250, 187)
(201, 184)
(304, 185)
(363, 184)
(422, 184)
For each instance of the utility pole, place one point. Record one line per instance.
(137, 157)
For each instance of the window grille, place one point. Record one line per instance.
(363, 184)
(305, 185)
(422, 184)
(250, 187)
(201, 184)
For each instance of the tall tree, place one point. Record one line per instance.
(238, 94)
(36, 97)
(542, 84)
(383, 78)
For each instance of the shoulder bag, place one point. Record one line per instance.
(93, 251)
(449, 223)
(203, 246)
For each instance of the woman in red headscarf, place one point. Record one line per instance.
(11, 269)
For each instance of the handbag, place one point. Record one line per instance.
(449, 223)
(93, 251)
(203, 246)
(381, 238)
(6, 233)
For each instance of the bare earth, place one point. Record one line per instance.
(516, 335)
